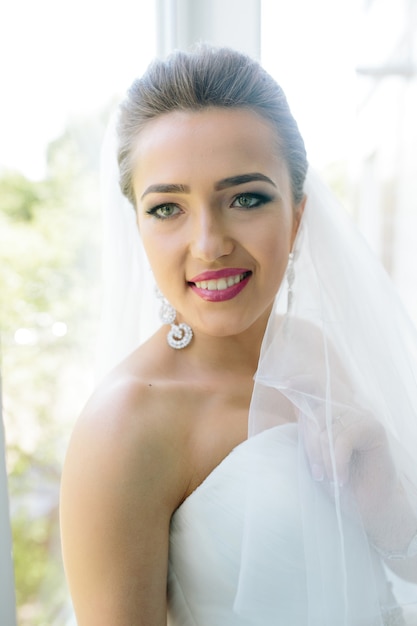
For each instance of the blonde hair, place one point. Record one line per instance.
(208, 77)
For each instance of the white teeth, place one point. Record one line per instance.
(221, 283)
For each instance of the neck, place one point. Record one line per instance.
(237, 354)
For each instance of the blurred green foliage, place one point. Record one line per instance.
(49, 269)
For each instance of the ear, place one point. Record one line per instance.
(298, 214)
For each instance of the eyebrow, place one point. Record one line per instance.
(161, 188)
(225, 183)
(241, 179)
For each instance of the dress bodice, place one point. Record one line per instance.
(208, 537)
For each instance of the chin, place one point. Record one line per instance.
(232, 328)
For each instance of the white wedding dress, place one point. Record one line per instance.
(207, 538)
(259, 542)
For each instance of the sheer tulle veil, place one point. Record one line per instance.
(129, 305)
(345, 346)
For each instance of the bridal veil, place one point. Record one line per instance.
(343, 346)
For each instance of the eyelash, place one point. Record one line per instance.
(154, 210)
(259, 198)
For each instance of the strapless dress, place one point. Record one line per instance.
(208, 536)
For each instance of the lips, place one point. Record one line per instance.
(220, 284)
(217, 286)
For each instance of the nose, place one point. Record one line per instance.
(210, 237)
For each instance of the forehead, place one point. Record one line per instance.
(213, 142)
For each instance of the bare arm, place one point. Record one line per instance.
(120, 485)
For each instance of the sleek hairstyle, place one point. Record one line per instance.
(208, 77)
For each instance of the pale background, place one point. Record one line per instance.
(348, 69)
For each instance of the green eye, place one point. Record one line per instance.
(166, 210)
(246, 201)
(249, 200)
(163, 211)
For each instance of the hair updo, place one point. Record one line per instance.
(208, 77)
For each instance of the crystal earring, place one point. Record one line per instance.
(290, 281)
(179, 335)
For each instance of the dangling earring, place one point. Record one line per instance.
(290, 275)
(179, 335)
(290, 281)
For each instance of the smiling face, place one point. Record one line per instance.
(215, 213)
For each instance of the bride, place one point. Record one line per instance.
(252, 459)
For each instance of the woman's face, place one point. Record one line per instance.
(215, 213)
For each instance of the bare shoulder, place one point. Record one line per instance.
(128, 429)
(123, 477)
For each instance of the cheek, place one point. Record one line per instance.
(164, 258)
(274, 239)
(157, 257)
(274, 247)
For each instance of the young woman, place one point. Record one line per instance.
(251, 463)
